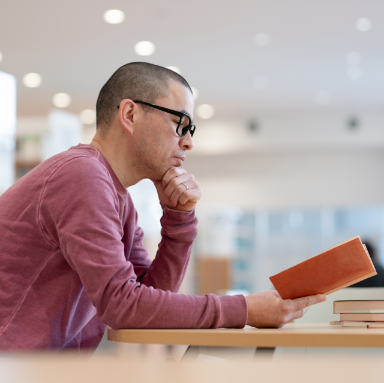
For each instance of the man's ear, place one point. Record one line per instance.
(128, 115)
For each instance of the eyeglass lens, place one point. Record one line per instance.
(185, 126)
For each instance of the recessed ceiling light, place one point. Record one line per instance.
(205, 111)
(144, 48)
(261, 83)
(1, 56)
(174, 68)
(195, 93)
(114, 16)
(88, 116)
(353, 58)
(363, 24)
(354, 72)
(322, 98)
(32, 80)
(61, 100)
(262, 39)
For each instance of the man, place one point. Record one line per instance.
(71, 254)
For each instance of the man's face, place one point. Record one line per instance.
(158, 146)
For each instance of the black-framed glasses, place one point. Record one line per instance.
(185, 123)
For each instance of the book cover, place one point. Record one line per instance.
(358, 307)
(335, 323)
(362, 317)
(355, 324)
(327, 272)
(363, 324)
(375, 325)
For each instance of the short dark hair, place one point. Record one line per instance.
(135, 81)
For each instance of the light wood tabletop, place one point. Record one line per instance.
(291, 335)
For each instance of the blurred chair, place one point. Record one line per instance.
(213, 275)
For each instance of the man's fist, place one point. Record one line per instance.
(267, 309)
(178, 190)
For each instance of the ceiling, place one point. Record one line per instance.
(211, 41)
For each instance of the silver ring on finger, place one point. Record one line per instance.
(186, 187)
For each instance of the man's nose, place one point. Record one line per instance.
(186, 142)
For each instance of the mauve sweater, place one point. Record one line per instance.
(72, 261)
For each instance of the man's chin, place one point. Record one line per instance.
(159, 177)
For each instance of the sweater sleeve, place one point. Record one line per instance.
(79, 213)
(167, 271)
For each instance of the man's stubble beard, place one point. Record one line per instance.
(146, 163)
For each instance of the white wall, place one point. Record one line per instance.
(280, 179)
(291, 130)
(39, 126)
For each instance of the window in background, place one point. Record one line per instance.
(264, 242)
(7, 130)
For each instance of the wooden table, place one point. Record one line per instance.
(291, 335)
(265, 340)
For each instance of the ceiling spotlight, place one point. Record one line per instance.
(354, 73)
(174, 68)
(353, 123)
(353, 58)
(61, 100)
(253, 125)
(262, 39)
(114, 16)
(205, 111)
(363, 24)
(88, 116)
(261, 83)
(32, 80)
(144, 48)
(1, 56)
(195, 93)
(322, 98)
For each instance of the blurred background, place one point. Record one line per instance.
(289, 108)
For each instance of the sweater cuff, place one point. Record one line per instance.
(177, 220)
(234, 311)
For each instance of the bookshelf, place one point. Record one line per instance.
(23, 167)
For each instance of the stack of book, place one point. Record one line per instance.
(368, 314)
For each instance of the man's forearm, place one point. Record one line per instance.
(179, 230)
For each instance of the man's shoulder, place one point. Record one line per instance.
(81, 165)
(77, 172)
(77, 159)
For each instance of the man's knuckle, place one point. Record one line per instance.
(174, 182)
(179, 188)
(286, 308)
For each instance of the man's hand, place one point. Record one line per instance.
(267, 309)
(178, 190)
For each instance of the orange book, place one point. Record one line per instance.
(327, 272)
